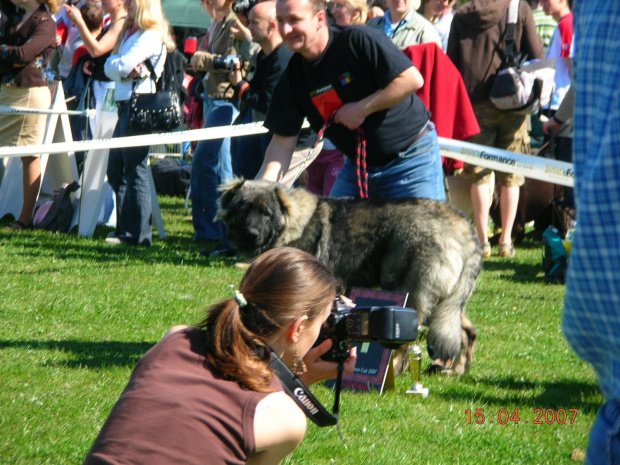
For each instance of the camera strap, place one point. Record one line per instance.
(300, 393)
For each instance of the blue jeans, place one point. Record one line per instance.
(129, 179)
(415, 173)
(211, 166)
(604, 443)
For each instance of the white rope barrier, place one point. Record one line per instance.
(541, 168)
(35, 111)
(136, 141)
(544, 169)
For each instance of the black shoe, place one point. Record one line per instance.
(226, 252)
(221, 249)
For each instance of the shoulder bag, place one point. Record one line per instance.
(160, 110)
(521, 89)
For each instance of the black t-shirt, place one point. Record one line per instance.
(268, 71)
(357, 62)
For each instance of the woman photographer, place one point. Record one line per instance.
(207, 394)
(145, 36)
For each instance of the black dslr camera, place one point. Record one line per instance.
(243, 6)
(390, 326)
(228, 62)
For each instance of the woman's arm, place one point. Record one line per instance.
(43, 35)
(279, 427)
(94, 47)
(147, 45)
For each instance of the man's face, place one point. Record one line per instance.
(299, 25)
(399, 6)
(258, 24)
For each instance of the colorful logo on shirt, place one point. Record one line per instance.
(345, 78)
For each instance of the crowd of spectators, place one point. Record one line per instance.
(88, 31)
(109, 43)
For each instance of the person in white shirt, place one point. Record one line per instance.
(145, 36)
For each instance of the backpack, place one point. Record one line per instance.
(554, 256)
(520, 89)
(56, 214)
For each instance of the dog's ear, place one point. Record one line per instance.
(228, 190)
(287, 204)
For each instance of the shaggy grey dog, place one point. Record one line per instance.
(423, 247)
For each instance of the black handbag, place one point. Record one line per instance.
(158, 111)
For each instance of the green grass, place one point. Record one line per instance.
(77, 314)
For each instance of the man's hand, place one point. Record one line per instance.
(319, 369)
(351, 115)
(551, 125)
(235, 75)
(240, 32)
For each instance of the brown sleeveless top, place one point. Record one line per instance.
(176, 409)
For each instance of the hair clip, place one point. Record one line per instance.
(238, 296)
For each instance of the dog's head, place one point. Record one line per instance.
(255, 213)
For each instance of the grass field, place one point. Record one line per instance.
(77, 314)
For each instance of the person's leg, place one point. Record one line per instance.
(250, 152)
(480, 178)
(116, 177)
(135, 215)
(32, 182)
(604, 440)
(332, 170)
(481, 203)
(508, 201)
(513, 136)
(211, 167)
(32, 133)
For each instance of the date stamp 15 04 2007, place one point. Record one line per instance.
(538, 416)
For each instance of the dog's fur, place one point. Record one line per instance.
(423, 247)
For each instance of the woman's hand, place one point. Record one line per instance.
(240, 32)
(319, 369)
(74, 13)
(137, 72)
(88, 68)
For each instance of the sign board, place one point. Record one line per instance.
(373, 360)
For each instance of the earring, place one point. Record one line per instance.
(299, 367)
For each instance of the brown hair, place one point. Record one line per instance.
(280, 286)
(92, 14)
(316, 5)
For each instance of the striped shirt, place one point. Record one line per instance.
(592, 304)
(545, 26)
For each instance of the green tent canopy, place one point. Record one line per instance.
(186, 13)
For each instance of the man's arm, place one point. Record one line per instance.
(353, 114)
(277, 157)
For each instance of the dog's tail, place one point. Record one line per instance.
(446, 320)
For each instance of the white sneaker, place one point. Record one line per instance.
(113, 240)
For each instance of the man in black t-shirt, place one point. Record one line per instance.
(360, 78)
(254, 95)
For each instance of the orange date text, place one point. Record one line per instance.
(538, 416)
